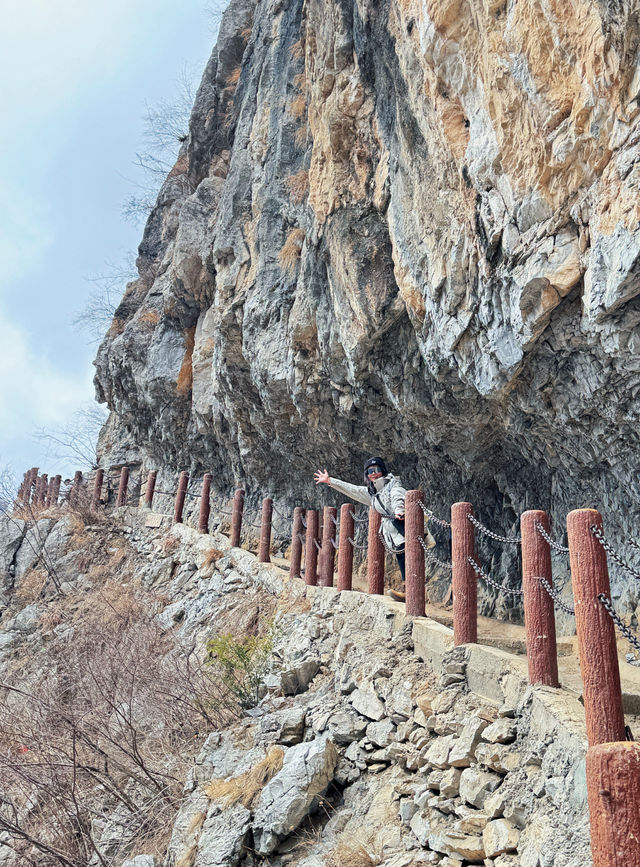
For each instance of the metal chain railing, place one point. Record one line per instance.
(487, 532)
(597, 532)
(356, 546)
(549, 540)
(482, 574)
(431, 557)
(358, 520)
(554, 595)
(431, 517)
(619, 622)
(385, 546)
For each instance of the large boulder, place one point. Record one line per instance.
(221, 841)
(307, 770)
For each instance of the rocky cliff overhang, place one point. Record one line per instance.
(401, 227)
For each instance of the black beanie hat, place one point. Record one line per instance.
(374, 462)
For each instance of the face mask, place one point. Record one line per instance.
(378, 484)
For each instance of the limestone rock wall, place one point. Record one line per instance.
(400, 227)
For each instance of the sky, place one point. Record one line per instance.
(76, 78)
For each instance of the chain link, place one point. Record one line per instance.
(619, 622)
(488, 532)
(278, 512)
(358, 520)
(319, 547)
(597, 532)
(355, 545)
(431, 517)
(547, 538)
(431, 557)
(633, 544)
(482, 574)
(301, 538)
(333, 542)
(386, 547)
(554, 595)
(304, 523)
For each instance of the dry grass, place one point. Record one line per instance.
(188, 859)
(348, 855)
(298, 185)
(31, 587)
(289, 255)
(297, 50)
(298, 105)
(300, 81)
(234, 76)
(169, 543)
(196, 823)
(246, 34)
(116, 327)
(302, 133)
(185, 376)
(149, 317)
(211, 556)
(246, 788)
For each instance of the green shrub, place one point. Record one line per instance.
(243, 662)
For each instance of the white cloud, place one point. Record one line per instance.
(33, 391)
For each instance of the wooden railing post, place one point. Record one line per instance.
(327, 553)
(465, 588)
(345, 547)
(296, 543)
(44, 489)
(236, 517)
(375, 554)
(75, 487)
(97, 489)
(49, 495)
(205, 504)
(613, 787)
(33, 479)
(539, 616)
(414, 553)
(57, 481)
(121, 499)
(150, 488)
(183, 481)
(595, 630)
(265, 531)
(311, 550)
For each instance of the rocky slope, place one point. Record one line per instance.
(358, 752)
(402, 227)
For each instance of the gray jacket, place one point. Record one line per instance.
(387, 502)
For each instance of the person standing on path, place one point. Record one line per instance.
(384, 492)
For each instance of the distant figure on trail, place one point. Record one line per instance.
(385, 493)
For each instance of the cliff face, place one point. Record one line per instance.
(401, 227)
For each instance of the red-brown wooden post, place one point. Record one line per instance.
(311, 549)
(463, 579)
(97, 489)
(328, 551)
(296, 543)
(375, 554)
(613, 784)
(205, 504)
(265, 531)
(57, 481)
(30, 491)
(75, 487)
(183, 481)
(414, 553)
(44, 489)
(150, 488)
(345, 547)
(236, 517)
(121, 499)
(49, 497)
(539, 617)
(596, 634)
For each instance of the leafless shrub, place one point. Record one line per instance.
(108, 725)
(96, 315)
(76, 441)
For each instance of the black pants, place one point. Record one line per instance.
(400, 559)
